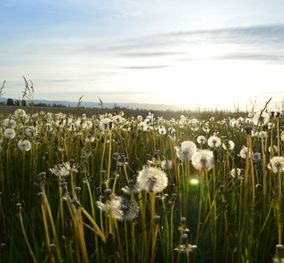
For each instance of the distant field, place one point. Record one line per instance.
(128, 112)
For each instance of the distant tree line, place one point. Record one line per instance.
(16, 102)
(12, 102)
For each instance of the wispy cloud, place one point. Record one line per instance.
(152, 54)
(146, 67)
(253, 35)
(253, 56)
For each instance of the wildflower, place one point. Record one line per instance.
(276, 164)
(244, 152)
(261, 118)
(166, 164)
(203, 160)
(87, 125)
(106, 124)
(31, 131)
(119, 208)
(24, 145)
(186, 248)
(162, 130)
(63, 169)
(236, 173)
(260, 134)
(172, 131)
(201, 139)
(273, 149)
(185, 150)
(9, 133)
(152, 179)
(229, 145)
(118, 119)
(10, 123)
(19, 113)
(214, 141)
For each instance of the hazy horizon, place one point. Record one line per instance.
(208, 54)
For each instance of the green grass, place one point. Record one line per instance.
(49, 218)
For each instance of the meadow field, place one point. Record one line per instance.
(115, 187)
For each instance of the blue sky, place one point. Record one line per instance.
(194, 53)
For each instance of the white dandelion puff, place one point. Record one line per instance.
(244, 153)
(162, 130)
(261, 118)
(119, 208)
(229, 145)
(201, 139)
(20, 113)
(31, 131)
(185, 150)
(166, 165)
(63, 169)
(273, 149)
(9, 133)
(236, 173)
(260, 134)
(276, 164)
(106, 124)
(152, 179)
(10, 123)
(214, 141)
(118, 119)
(24, 145)
(203, 160)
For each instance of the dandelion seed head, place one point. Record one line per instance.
(10, 123)
(186, 150)
(244, 152)
(64, 169)
(203, 160)
(106, 124)
(166, 165)
(201, 139)
(229, 145)
(19, 113)
(162, 130)
(236, 173)
(152, 179)
(273, 149)
(24, 145)
(277, 164)
(31, 131)
(9, 133)
(261, 118)
(119, 208)
(186, 248)
(214, 141)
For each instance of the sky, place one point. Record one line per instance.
(192, 53)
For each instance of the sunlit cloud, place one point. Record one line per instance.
(144, 48)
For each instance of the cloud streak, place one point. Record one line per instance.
(265, 34)
(146, 67)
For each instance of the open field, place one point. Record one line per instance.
(138, 187)
(128, 112)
